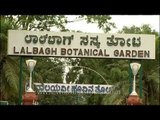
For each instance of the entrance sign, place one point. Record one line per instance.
(89, 45)
(73, 88)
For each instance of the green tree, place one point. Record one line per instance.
(10, 65)
(38, 22)
(102, 21)
(150, 67)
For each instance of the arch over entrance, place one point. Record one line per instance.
(88, 45)
(72, 88)
(84, 67)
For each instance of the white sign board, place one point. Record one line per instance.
(89, 45)
(73, 88)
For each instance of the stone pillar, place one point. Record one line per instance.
(134, 100)
(30, 98)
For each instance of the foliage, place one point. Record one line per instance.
(81, 71)
(10, 65)
(101, 20)
(150, 67)
(47, 69)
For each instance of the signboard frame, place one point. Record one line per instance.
(88, 45)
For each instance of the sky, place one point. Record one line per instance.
(119, 20)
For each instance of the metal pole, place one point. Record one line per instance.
(134, 84)
(30, 80)
(140, 82)
(20, 82)
(130, 79)
(77, 99)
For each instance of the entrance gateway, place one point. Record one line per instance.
(72, 44)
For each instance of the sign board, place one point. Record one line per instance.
(73, 88)
(89, 45)
(4, 103)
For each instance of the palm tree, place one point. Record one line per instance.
(150, 67)
(8, 65)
